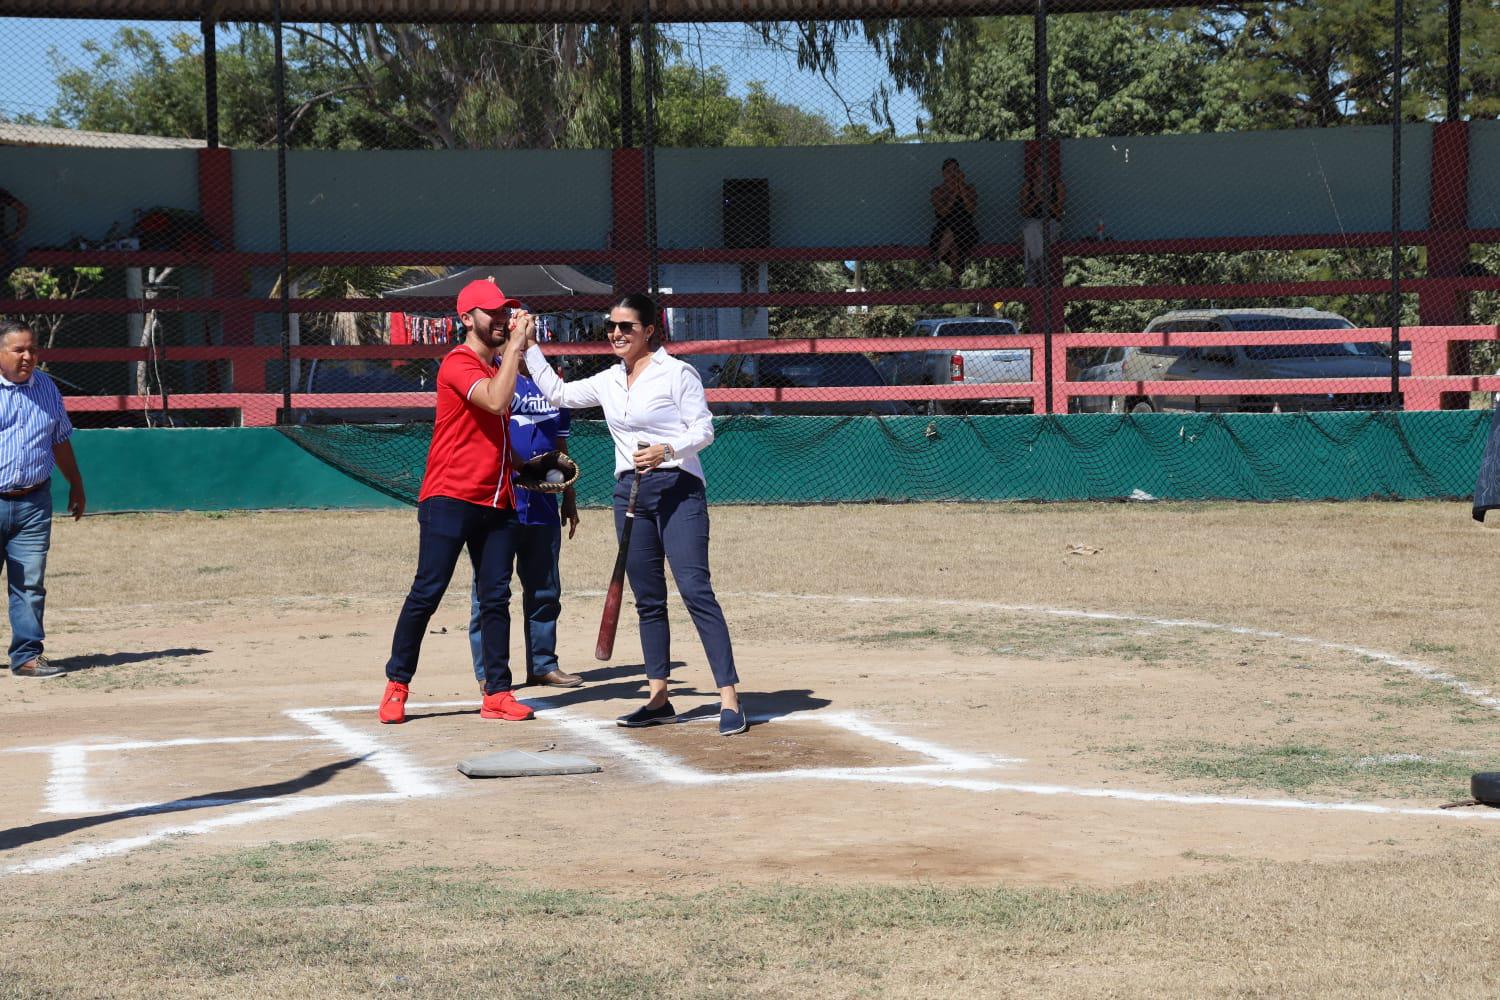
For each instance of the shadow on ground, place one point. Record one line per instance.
(20, 836)
(93, 661)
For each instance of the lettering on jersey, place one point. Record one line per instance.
(532, 403)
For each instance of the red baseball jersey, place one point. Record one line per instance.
(469, 458)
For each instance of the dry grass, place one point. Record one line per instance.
(317, 920)
(349, 919)
(1402, 577)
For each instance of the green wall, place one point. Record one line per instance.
(762, 460)
(234, 468)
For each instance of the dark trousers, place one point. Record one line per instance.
(538, 548)
(445, 528)
(671, 525)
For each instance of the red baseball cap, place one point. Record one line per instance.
(484, 294)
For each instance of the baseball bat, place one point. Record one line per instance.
(605, 646)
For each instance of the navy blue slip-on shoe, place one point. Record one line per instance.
(644, 716)
(732, 723)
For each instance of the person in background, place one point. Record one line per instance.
(954, 234)
(536, 427)
(1041, 216)
(34, 438)
(658, 417)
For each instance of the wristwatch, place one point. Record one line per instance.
(668, 453)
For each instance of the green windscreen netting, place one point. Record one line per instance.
(846, 459)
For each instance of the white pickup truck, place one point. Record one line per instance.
(992, 365)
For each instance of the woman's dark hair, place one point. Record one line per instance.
(644, 306)
(948, 161)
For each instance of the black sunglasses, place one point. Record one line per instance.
(623, 325)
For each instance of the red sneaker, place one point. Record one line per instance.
(393, 705)
(503, 705)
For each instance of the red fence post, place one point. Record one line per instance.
(627, 236)
(230, 280)
(1447, 246)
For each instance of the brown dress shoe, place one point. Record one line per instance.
(556, 679)
(38, 667)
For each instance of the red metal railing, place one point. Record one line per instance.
(1423, 389)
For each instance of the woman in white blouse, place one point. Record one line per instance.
(652, 398)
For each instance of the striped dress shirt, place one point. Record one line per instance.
(32, 421)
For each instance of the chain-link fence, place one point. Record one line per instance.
(888, 230)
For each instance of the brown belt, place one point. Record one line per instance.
(18, 494)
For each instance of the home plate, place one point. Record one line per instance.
(521, 763)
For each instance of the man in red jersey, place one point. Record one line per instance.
(466, 498)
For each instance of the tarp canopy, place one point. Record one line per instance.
(550, 11)
(521, 281)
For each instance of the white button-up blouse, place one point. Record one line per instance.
(666, 405)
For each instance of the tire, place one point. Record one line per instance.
(1485, 787)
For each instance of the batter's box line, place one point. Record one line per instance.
(404, 777)
(667, 768)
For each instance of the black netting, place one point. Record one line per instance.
(1272, 210)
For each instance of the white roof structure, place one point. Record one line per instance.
(12, 134)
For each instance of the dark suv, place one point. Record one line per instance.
(416, 377)
(805, 371)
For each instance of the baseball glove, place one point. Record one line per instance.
(549, 472)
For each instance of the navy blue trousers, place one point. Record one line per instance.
(445, 528)
(671, 525)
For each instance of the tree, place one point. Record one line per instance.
(1109, 74)
(444, 86)
(1316, 63)
(51, 284)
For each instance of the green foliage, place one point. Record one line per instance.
(1109, 74)
(51, 283)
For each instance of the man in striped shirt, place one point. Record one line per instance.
(34, 432)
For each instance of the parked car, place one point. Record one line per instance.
(1269, 361)
(992, 365)
(803, 371)
(1109, 368)
(415, 375)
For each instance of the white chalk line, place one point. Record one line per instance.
(404, 777)
(1479, 695)
(407, 777)
(279, 808)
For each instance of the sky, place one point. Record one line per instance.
(28, 85)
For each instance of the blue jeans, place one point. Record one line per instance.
(445, 528)
(25, 536)
(538, 548)
(671, 525)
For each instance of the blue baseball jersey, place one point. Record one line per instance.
(536, 427)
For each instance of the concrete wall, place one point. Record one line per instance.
(1254, 183)
(1244, 184)
(826, 195)
(1484, 175)
(423, 200)
(83, 192)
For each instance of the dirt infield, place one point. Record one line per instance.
(1026, 725)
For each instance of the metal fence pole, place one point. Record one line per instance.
(1042, 130)
(1455, 57)
(210, 83)
(627, 95)
(1396, 209)
(648, 49)
(286, 333)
